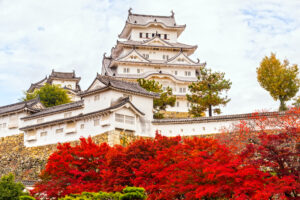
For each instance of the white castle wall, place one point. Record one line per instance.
(10, 124)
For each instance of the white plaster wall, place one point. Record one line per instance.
(52, 137)
(5, 119)
(189, 129)
(53, 116)
(65, 83)
(156, 69)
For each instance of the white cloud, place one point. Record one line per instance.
(233, 37)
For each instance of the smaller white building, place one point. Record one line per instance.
(10, 116)
(108, 105)
(66, 80)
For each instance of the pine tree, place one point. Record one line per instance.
(166, 97)
(207, 92)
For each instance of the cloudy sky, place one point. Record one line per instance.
(38, 36)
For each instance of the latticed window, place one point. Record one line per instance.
(119, 118)
(129, 119)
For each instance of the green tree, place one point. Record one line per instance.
(207, 92)
(50, 95)
(166, 97)
(279, 79)
(9, 189)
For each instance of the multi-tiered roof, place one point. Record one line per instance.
(152, 41)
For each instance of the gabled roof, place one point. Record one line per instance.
(20, 106)
(133, 52)
(37, 84)
(182, 55)
(120, 104)
(156, 38)
(56, 75)
(146, 20)
(170, 44)
(115, 84)
(63, 75)
(56, 109)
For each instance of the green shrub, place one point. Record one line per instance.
(133, 193)
(26, 197)
(9, 189)
(128, 193)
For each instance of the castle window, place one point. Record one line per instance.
(68, 114)
(141, 35)
(138, 71)
(119, 118)
(129, 120)
(159, 35)
(175, 72)
(177, 104)
(147, 35)
(182, 90)
(187, 73)
(146, 55)
(40, 120)
(166, 37)
(96, 97)
(43, 134)
(165, 57)
(153, 34)
(81, 126)
(60, 130)
(126, 70)
(96, 122)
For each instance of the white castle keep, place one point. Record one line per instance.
(114, 102)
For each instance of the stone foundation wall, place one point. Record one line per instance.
(27, 163)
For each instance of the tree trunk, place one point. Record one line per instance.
(282, 104)
(210, 110)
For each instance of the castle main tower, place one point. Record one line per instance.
(148, 48)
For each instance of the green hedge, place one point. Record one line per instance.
(128, 193)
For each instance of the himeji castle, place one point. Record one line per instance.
(148, 48)
(114, 103)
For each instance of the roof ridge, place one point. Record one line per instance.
(18, 103)
(145, 15)
(61, 105)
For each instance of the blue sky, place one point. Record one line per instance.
(233, 37)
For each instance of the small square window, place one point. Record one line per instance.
(96, 122)
(166, 37)
(43, 134)
(81, 126)
(141, 35)
(60, 130)
(147, 35)
(96, 97)
(175, 72)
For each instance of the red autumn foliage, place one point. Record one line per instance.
(176, 168)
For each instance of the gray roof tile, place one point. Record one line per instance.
(19, 106)
(54, 109)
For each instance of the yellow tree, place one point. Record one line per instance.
(279, 79)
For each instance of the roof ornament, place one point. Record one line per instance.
(129, 11)
(108, 84)
(172, 13)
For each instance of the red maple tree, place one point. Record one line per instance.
(266, 167)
